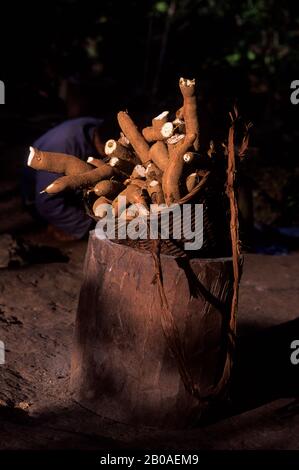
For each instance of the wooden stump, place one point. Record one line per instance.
(122, 366)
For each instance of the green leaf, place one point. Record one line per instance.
(233, 59)
(251, 55)
(161, 7)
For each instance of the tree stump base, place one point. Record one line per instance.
(122, 367)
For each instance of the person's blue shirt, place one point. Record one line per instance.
(64, 210)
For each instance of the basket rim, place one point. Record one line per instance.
(92, 235)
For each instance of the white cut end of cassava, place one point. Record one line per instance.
(178, 122)
(162, 116)
(187, 82)
(101, 210)
(31, 156)
(114, 161)
(153, 183)
(124, 140)
(148, 168)
(98, 211)
(175, 138)
(91, 160)
(140, 170)
(191, 181)
(179, 125)
(110, 146)
(167, 130)
(48, 187)
(187, 157)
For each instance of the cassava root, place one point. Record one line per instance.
(56, 162)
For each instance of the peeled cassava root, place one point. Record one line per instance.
(191, 181)
(198, 178)
(84, 180)
(123, 166)
(101, 206)
(174, 170)
(158, 164)
(133, 135)
(138, 172)
(114, 148)
(56, 162)
(95, 162)
(152, 134)
(155, 191)
(190, 109)
(133, 194)
(108, 188)
(159, 155)
(123, 140)
(137, 181)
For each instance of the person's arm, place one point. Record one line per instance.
(64, 210)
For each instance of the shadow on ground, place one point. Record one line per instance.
(263, 370)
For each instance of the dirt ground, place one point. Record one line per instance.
(37, 311)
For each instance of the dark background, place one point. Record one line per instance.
(61, 59)
(71, 57)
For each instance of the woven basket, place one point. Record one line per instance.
(214, 226)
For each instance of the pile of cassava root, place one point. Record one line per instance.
(159, 165)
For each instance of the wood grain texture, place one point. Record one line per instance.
(122, 367)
